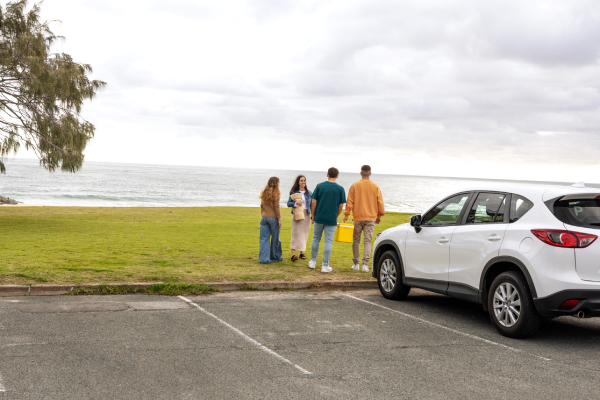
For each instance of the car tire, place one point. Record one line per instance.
(511, 307)
(389, 277)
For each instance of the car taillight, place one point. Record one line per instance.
(558, 238)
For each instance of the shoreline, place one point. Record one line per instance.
(23, 205)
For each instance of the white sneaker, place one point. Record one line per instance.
(355, 267)
(365, 268)
(312, 264)
(326, 268)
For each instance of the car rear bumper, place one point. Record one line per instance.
(589, 302)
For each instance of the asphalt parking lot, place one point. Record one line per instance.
(301, 344)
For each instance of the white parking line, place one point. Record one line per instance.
(248, 338)
(2, 388)
(449, 329)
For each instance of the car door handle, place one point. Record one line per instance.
(443, 240)
(494, 237)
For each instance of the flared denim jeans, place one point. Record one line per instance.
(269, 251)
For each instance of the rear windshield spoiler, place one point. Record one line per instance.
(580, 196)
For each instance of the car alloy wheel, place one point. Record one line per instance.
(388, 275)
(507, 304)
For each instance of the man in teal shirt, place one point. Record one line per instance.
(327, 202)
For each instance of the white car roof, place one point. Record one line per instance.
(534, 192)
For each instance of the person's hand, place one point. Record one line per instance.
(345, 219)
(299, 202)
(279, 222)
(312, 220)
(378, 220)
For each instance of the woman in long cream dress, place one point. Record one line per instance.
(300, 228)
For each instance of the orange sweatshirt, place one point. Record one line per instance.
(364, 201)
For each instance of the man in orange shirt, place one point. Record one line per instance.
(366, 204)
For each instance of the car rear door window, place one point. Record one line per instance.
(519, 206)
(447, 212)
(487, 208)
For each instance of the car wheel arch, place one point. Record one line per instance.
(495, 267)
(386, 245)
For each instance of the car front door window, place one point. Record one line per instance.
(447, 212)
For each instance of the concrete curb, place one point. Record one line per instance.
(55, 290)
(292, 285)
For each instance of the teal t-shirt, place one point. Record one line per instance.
(329, 196)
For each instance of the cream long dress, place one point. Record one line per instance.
(300, 231)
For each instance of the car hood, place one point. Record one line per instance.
(389, 231)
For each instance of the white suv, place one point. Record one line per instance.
(523, 252)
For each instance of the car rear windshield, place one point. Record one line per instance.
(578, 212)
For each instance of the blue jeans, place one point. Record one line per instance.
(269, 252)
(317, 233)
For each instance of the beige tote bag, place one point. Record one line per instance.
(299, 210)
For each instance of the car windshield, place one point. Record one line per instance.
(579, 212)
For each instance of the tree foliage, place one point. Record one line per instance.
(41, 93)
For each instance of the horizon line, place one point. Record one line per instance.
(295, 170)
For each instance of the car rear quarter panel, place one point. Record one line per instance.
(587, 259)
(552, 269)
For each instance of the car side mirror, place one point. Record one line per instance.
(415, 221)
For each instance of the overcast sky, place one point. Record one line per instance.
(498, 89)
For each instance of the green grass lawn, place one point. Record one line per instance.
(79, 245)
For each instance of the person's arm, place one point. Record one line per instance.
(291, 203)
(380, 206)
(342, 202)
(349, 203)
(312, 210)
(277, 213)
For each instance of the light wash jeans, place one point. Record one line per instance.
(269, 252)
(317, 233)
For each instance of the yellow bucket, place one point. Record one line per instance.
(344, 233)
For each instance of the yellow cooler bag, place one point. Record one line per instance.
(344, 233)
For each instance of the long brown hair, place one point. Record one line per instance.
(271, 193)
(296, 185)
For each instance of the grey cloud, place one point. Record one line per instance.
(462, 79)
(539, 32)
(546, 33)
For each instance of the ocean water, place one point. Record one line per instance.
(138, 185)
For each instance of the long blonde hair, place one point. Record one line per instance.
(271, 193)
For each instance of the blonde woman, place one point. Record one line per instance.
(301, 228)
(270, 223)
